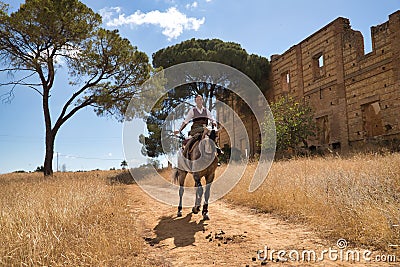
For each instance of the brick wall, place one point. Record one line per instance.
(355, 96)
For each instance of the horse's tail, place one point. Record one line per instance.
(175, 175)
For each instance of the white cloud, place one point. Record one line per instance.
(192, 5)
(172, 21)
(108, 12)
(208, 1)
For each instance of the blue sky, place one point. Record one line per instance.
(262, 27)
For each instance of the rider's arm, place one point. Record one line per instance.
(211, 118)
(188, 117)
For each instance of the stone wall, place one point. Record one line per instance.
(355, 96)
(372, 83)
(238, 138)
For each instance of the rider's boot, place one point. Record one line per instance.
(219, 153)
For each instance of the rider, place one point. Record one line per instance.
(199, 115)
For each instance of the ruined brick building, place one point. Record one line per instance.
(356, 96)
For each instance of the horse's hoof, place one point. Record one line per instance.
(195, 210)
(179, 214)
(206, 217)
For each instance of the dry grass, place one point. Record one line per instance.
(79, 219)
(72, 219)
(356, 198)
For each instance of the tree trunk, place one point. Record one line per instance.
(50, 135)
(48, 160)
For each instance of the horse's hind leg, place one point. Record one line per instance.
(199, 194)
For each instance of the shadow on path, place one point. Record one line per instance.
(182, 230)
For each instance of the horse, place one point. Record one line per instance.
(202, 149)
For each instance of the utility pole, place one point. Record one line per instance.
(57, 160)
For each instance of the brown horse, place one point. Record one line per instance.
(203, 163)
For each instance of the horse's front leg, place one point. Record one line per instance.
(181, 177)
(181, 190)
(199, 193)
(209, 180)
(205, 205)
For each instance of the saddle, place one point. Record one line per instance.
(190, 144)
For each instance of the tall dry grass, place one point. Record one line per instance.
(357, 198)
(72, 219)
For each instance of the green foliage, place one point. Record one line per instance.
(228, 53)
(124, 164)
(39, 169)
(122, 69)
(294, 123)
(155, 163)
(41, 28)
(3, 8)
(105, 70)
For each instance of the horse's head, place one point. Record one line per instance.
(213, 135)
(208, 140)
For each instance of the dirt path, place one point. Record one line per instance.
(231, 238)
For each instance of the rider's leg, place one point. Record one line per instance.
(186, 145)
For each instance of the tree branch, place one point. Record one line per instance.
(7, 97)
(13, 46)
(50, 72)
(14, 69)
(20, 82)
(75, 95)
(62, 120)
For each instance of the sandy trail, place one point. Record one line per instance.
(231, 238)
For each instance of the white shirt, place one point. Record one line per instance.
(190, 114)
